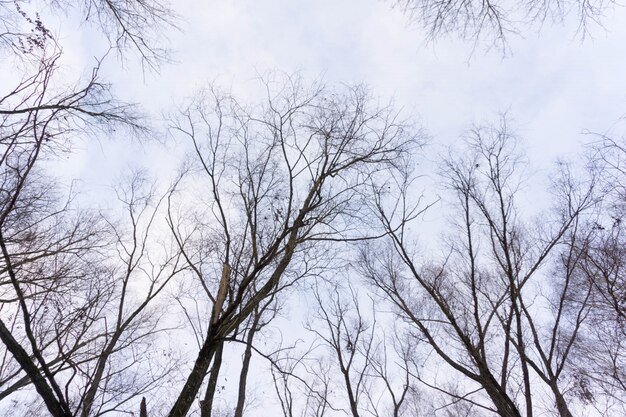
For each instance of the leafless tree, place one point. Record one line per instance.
(349, 338)
(85, 308)
(146, 266)
(35, 123)
(481, 308)
(58, 287)
(601, 370)
(303, 384)
(605, 262)
(137, 27)
(495, 21)
(279, 181)
(375, 369)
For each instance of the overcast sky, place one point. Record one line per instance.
(553, 85)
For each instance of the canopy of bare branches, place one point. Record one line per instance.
(288, 266)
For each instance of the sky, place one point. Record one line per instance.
(552, 84)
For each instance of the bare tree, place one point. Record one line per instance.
(281, 179)
(375, 370)
(137, 27)
(601, 364)
(73, 318)
(473, 306)
(36, 122)
(83, 313)
(495, 21)
(343, 328)
(303, 384)
(144, 261)
(57, 285)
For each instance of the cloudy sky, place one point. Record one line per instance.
(552, 84)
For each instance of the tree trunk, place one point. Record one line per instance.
(54, 406)
(196, 377)
(91, 393)
(503, 403)
(206, 405)
(243, 376)
(561, 404)
(143, 410)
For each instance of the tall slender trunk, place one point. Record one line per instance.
(206, 406)
(90, 395)
(561, 403)
(351, 398)
(501, 400)
(524, 364)
(196, 376)
(54, 406)
(243, 376)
